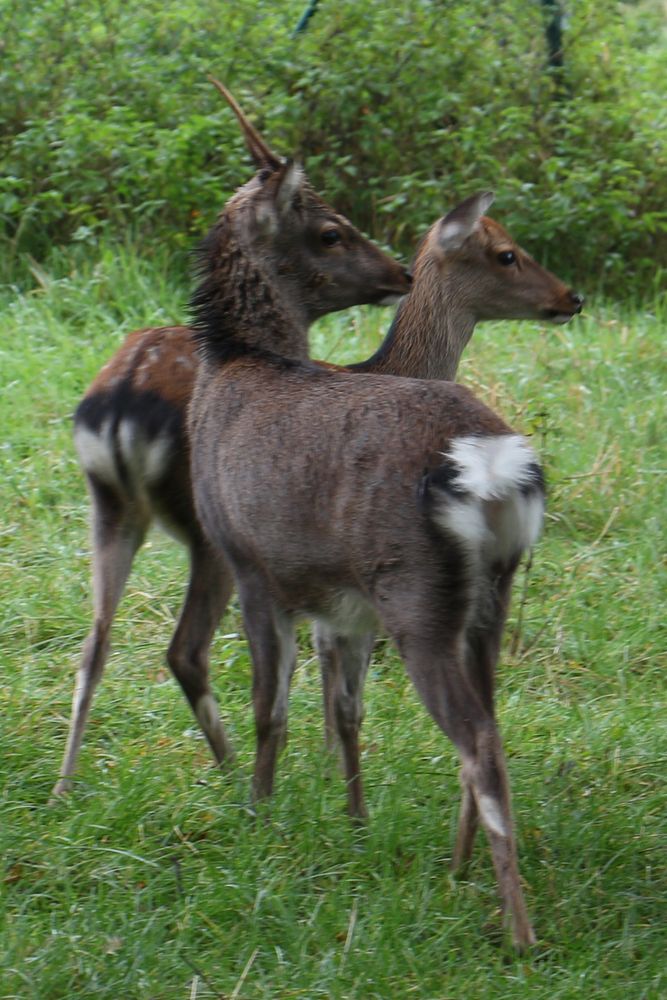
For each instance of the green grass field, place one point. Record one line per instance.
(152, 882)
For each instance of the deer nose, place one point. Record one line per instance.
(577, 301)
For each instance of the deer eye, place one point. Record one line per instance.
(330, 237)
(506, 258)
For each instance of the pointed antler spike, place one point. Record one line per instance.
(262, 154)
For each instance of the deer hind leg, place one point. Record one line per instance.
(272, 642)
(118, 530)
(441, 678)
(482, 651)
(209, 589)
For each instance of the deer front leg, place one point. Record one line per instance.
(350, 665)
(273, 646)
(324, 641)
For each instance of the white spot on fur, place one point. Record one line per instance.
(463, 221)
(268, 210)
(292, 180)
(490, 815)
(390, 300)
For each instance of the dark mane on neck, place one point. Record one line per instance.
(235, 308)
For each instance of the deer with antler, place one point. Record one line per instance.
(130, 436)
(135, 410)
(361, 500)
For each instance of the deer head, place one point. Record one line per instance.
(493, 275)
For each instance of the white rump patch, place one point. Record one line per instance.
(145, 460)
(515, 523)
(96, 453)
(492, 467)
(488, 509)
(465, 519)
(347, 612)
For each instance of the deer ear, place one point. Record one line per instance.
(278, 192)
(462, 221)
(289, 181)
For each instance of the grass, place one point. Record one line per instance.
(153, 883)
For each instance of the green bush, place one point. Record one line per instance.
(108, 123)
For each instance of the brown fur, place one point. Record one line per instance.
(453, 292)
(424, 340)
(324, 493)
(153, 366)
(161, 360)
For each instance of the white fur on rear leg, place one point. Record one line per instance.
(465, 519)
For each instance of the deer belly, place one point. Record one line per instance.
(348, 612)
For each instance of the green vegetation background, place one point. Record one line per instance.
(151, 882)
(107, 123)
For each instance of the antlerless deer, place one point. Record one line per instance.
(356, 499)
(132, 444)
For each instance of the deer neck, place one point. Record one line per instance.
(238, 307)
(430, 331)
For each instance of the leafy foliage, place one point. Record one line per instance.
(108, 123)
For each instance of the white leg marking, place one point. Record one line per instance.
(207, 713)
(490, 814)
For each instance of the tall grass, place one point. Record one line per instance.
(152, 881)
